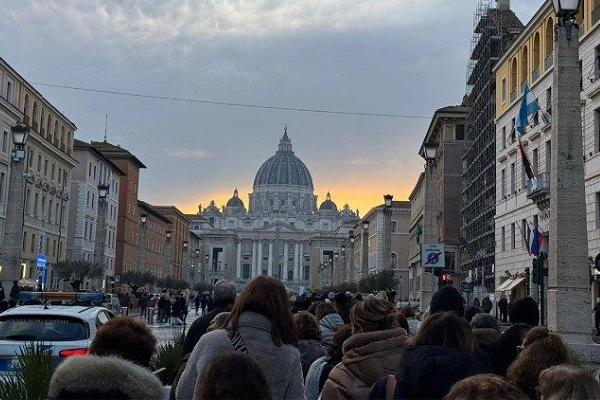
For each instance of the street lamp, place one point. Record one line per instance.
(351, 256)
(100, 243)
(13, 229)
(169, 235)
(569, 299)
(430, 230)
(387, 230)
(365, 250)
(197, 264)
(142, 245)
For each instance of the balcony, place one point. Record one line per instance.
(538, 189)
(548, 61)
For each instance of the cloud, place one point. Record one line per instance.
(188, 154)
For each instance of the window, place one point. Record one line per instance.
(28, 202)
(32, 244)
(503, 239)
(52, 171)
(512, 237)
(46, 167)
(548, 156)
(523, 230)
(394, 226)
(460, 132)
(503, 90)
(549, 100)
(504, 137)
(535, 160)
(9, 91)
(90, 169)
(2, 186)
(5, 142)
(36, 204)
(597, 130)
(39, 163)
(503, 183)
(512, 179)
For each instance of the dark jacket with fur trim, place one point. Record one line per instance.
(367, 357)
(428, 371)
(102, 377)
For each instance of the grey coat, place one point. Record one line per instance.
(280, 364)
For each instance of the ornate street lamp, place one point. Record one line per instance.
(100, 243)
(566, 11)
(365, 250)
(387, 230)
(142, 245)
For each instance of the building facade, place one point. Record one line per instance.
(282, 233)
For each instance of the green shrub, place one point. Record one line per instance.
(168, 356)
(33, 375)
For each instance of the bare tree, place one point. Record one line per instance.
(76, 271)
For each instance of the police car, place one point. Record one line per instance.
(63, 322)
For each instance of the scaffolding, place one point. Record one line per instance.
(494, 29)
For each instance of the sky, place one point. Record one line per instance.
(207, 86)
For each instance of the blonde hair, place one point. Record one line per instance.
(568, 382)
(485, 386)
(371, 315)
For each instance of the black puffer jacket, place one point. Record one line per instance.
(428, 372)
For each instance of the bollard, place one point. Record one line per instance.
(124, 311)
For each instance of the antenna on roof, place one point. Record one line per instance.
(105, 126)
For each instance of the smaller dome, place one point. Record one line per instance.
(328, 205)
(235, 201)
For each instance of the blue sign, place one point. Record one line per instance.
(301, 290)
(41, 261)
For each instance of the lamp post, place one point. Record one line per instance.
(197, 265)
(184, 266)
(204, 268)
(142, 245)
(430, 229)
(351, 267)
(13, 229)
(335, 268)
(169, 235)
(365, 250)
(387, 230)
(344, 267)
(568, 287)
(100, 243)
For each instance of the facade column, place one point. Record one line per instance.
(239, 261)
(365, 254)
(285, 262)
(430, 231)
(270, 260)
(254, 267)
(260, 256)
(297, 262)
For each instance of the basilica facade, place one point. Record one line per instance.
(283, 232)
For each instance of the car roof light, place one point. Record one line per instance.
(51, 296)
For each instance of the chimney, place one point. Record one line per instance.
(503, 4)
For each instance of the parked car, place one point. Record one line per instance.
(112, 302)
(65, 329)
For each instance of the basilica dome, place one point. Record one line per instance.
(235, 201)
(284, 168)
(328, 205)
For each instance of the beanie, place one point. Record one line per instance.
(525, 311)
(447, 298)
(484, 320)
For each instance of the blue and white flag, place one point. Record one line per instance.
(529, 106)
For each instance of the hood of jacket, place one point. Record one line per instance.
(103, 376)
(331, 322)
(370, 355)
(428, 371)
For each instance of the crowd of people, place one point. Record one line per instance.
(260, 344)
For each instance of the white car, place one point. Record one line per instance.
(67, 330)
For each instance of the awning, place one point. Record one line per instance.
(509, 284)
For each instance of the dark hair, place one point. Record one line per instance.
(267, 296)
(323, 309)
(446, 329)
(127, 338)
(485, 386)
(335, 347)
(526, 311)
(215, 381)
(307, 326)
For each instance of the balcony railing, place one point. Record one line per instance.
(548, 61)
(595, 14)
(535, 74)
(538, 186)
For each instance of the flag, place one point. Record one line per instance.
(526, 164)
(529, 106)
(525, 238)
(535, 239)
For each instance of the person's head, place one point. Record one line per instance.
(324, 309)
(446, 329)
(267, 296)
(372, 315)
(335, 347)
(447, 298)
(525, 311)
(127, 338)
(102, 377)
(484, 321)
(541, 349)
(567, 382)
(218, 322)
(485, 386)
(408, 312)
(470, 312)
(307, 326)
(223, 293)
(215, 381)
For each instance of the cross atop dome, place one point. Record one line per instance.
(285, 144)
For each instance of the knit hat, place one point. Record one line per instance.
(525, 311)
(483, 321)
(447, 298)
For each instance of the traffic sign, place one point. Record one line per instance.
(433, 255)
(41, 261)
